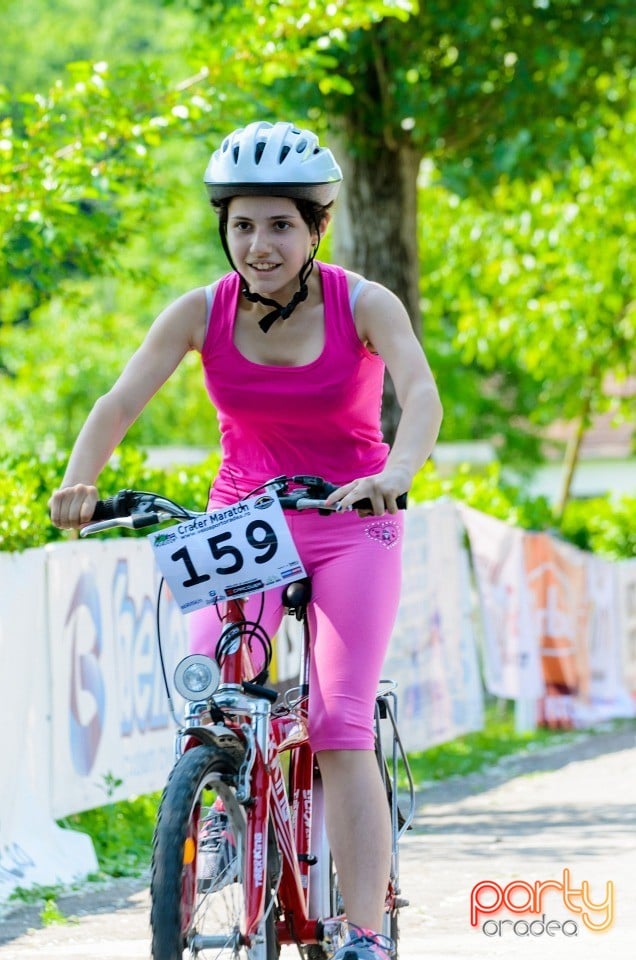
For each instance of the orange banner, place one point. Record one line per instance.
(557, 582)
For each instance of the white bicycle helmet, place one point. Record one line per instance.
(279, 159)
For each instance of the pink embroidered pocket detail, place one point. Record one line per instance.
(384, 532)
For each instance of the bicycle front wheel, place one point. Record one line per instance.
(198, 861)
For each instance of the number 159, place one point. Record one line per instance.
(258, 534)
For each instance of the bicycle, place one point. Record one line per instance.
(241, 864)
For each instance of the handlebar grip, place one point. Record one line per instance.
(365, 503)
(112, 508)
(257, 690)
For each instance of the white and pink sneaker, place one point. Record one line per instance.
(365, 945)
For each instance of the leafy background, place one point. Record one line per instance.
(521, 121)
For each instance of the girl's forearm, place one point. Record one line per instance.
(105, 427)
(417, 431)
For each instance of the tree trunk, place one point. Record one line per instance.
(591, 389)
(375, 233)
(571, 459)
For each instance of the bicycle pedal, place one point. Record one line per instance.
(309, 858)
(400, 902)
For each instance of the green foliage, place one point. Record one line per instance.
(602, 526)
(46, 896)
(552, 278)
(528, 290)
(529, 296)
(51, 914)
(36, 893)
(475, 752)
(57, 378)
(121, 833)
(94, 169)
(75, 165)
(488, 492)
(25, 487)
(480, 401)
(46, 36)
(26, 483)
(605, 525)
(481, 89)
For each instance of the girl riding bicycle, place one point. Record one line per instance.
(294, 353)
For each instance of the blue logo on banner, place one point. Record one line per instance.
(88, 699)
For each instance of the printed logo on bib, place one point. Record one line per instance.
(385, 532)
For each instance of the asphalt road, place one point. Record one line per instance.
(567, 816)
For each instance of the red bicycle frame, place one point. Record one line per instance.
(270, 803)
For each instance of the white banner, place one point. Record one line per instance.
(512, 665)
(433, 654)
(626, 611)
(33, 849)
(608, 693)
(110, 712)
(82, 700)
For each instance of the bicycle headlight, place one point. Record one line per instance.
(197, 677)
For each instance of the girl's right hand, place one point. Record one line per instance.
(72, 507)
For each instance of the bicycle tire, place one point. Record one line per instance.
(316, 951)
(186, 902)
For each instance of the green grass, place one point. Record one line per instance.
(121, 834)
(51, 914)
(36, 894)
(476, 751)
(46, 897)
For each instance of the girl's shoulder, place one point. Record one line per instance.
(355, 281)
(367, 294)
(190, 313)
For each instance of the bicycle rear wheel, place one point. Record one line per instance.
(197, 865)
(325, 899)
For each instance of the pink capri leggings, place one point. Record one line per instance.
(355, 565)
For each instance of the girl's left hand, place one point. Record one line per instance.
(382, 489)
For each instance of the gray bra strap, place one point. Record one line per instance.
(209, 300)
(355, 293)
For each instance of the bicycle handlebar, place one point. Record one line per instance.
(135, 509)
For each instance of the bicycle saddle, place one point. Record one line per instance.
(296, 596)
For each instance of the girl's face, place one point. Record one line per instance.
(269, 242)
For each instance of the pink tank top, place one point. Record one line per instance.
(322, 418)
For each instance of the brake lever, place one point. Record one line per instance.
(135, 522)
(90, 528)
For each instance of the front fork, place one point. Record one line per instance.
(250, 741)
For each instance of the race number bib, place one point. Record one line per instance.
(234, 551)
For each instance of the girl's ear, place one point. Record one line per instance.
(322, 229)
(324, 223)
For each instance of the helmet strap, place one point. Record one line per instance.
(279, 312)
